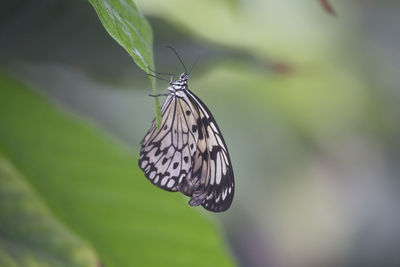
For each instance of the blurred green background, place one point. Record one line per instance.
(308, 103)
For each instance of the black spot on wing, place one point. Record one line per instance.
(214, 151)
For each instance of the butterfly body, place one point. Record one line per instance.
(188, 153)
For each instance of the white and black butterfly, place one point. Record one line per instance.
(188, 153)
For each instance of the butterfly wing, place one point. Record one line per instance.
(188, 154)
(167, 152)
(211, 163)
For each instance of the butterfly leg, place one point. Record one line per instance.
(157, 77)
(159, 73)
(157, 95)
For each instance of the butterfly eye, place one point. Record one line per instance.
(183, 76)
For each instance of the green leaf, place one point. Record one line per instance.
(94, 186)
(29, 234)
(129, 28)
(132, 31)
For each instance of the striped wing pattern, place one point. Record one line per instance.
(188, 153)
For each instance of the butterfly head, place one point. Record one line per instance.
(183, 77)
(180, 84)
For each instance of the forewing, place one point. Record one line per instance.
(166, 153)
(211, 162)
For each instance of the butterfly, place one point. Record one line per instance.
(188, 153)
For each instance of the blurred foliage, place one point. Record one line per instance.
(29, 233)
(92, 185)
(327, 7)
(131, 30)
(308, 104)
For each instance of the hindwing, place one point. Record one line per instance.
(212, 164)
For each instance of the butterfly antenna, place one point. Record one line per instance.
(194, 64)
(176, 53)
